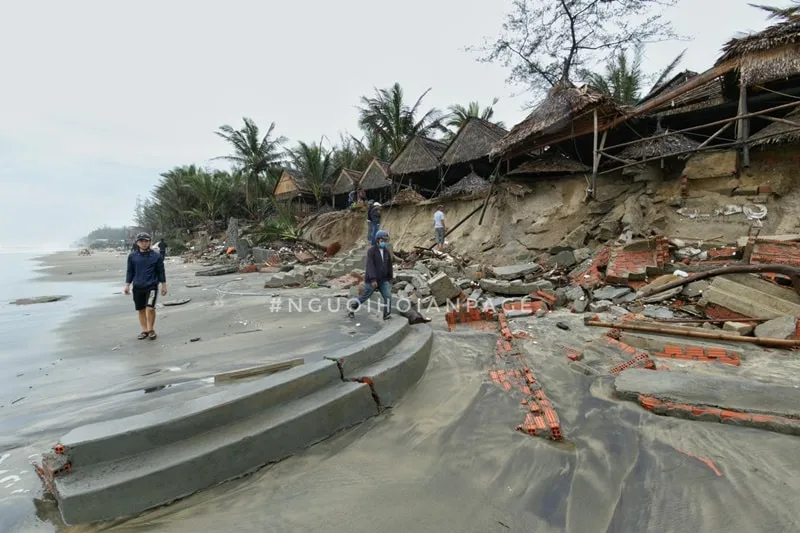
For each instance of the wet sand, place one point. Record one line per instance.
(447, 459)
(99, 370)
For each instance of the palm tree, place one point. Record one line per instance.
(624, 78)
(255, 156)
(386, 115)
(459, 115)
(781, 13)
(315, 164)
(356, 154)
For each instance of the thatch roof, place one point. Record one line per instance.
(659, 145)
(566, 112)
(551, 162)
(767, 55)
(345, 181)
(407, 196)
(779, 132)
(420, 154)
(376, 176)
(473, 141)
(470, 184)
(674, 82)
(301, 184)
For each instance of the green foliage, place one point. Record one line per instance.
(315, 164)
(459, 115)
(387, 116)
(280, 226)
(113, 235)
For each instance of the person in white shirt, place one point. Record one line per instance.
(438, 226)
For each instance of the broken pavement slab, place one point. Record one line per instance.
(509, 288)
(751, 296)
(442, 288)
(778, 328)
(219, 270)
(515, 271)
(39, 300)
(714, 398)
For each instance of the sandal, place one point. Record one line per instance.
(153, 335)
(143, 335)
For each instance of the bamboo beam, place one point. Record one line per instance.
(710, 124)
(716, 134)
(783, 121)
(743, 126)
(778, 343)
(695, 150)
(595, 158)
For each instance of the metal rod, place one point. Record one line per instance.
(763, 341)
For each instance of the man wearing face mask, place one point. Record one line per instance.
(378, 275)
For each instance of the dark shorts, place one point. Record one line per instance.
(145, 297)
(439, 235)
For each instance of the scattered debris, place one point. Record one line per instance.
(39, 300)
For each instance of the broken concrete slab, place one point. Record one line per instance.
(739, 328)
(508, 288)
(658, 343)
(263, 255)
(609, 292)
(575, 293)
(442, 288)
(741, 242)
(515, 271)
(600, 306)
(173, 303)
(661, 296)
(565, 259)
(778, 328)
(219, 270)
(744, 395)
(751, 296)
(695, 288)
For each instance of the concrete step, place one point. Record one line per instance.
(112, 439)
(130, 485)
(400, 369)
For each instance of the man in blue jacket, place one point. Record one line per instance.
(378, 275)
(374, 219)
(145, 272)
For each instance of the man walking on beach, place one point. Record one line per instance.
(378, 276)
(438, 226)
(145, 272)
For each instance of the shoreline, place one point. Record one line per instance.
(90, 367)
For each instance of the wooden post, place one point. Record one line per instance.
(743, 131)
(595, 159)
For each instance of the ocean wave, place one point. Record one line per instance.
(32, 248)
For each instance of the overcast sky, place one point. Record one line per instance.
(98, 97)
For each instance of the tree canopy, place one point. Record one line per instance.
(545, 41)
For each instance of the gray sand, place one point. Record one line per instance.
(447, 459)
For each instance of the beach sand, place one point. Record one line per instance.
(446, 458)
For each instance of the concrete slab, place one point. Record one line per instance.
(402, 367)
(515, 271)
(716, 391)
(164, 474)
(122, 437)
(372, 349)
(752, 296)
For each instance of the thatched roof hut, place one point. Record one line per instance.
(565, 113)
(466, 186)
(771, 54)
(291, 184)
(419, 155)
(659, 145)
(345, 181)
(779, 132)
(473, 141)
(406, 196)
(550, 162)
(376, 176)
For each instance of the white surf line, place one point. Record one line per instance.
(4, 457)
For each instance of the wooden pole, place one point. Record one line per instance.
(694, 150)
(763, 341)
(743, 125)
(595, 158)
(710, 124)
(716, 134)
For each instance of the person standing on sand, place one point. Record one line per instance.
(374, 217)
(438, 226)
(145, 272)
(378, 275)
(162, 247)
